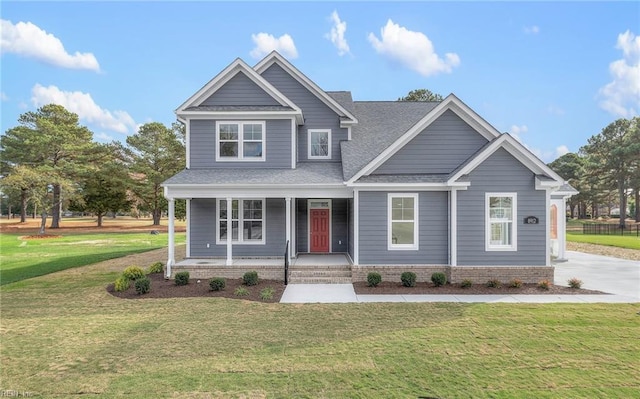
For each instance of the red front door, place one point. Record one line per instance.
(319, 230)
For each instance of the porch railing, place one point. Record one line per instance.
(286, 264)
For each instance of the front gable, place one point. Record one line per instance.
(240, 90)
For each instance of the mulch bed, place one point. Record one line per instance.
(161, 288)
(424, 288)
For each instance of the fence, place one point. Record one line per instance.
(610, 229)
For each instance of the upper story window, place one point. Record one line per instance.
(240, 141)
(501, 226)
(319, 143)
(402, 221)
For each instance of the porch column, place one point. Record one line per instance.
(356, 227)
(171, 258)
(229, 232)
(562, 230)
(288, 225)
(454, 227)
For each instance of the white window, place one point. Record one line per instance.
(247, 221)
(319, 144)
(402, 217)
(242, 141)
(501, 227)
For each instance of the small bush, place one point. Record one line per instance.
(143, 285)
(438, 279)
(182, 278)
(373, 279)
(408, 279)
(133, 272)
(515, 283)
(155, 268)
(466, 283)
(575, 283)
(241, 291)
(544, 285)
(250, 278)
(122, 284)
(217, 284)
(266, 294)
(494, 283)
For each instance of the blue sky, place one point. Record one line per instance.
(553, 74)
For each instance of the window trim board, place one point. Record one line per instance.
(240, 157)
(314, 157)
(241, 240)
(416, 220)
(514, 223)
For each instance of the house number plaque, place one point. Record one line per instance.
(531, 220)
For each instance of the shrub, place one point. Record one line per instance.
(575, 283)
(133, 272)
(515, 283)
(143, 285)
(373, 279)
(438, 279)
(466, 283)
(241, 291)
(122, 284)
(408, 279)
(544, 284)
(217, 284)
(266, 294)
(494, 283)
(182, 278)
(250, 278)
(155, 268)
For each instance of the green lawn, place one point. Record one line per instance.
(64, 336)
(628, 241)
(21, 259)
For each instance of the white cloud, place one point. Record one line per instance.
(3, 96)
(336, 35)
(546, 155)
(412, 49)
(28, 40)
(561, 150)
(531, 30)
(621, 97)
(102, 136)
(83, 105)
(555, 110)
(516, 131)
(266, 43)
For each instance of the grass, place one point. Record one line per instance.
(21, 259)
(64, 336)
(629, 241)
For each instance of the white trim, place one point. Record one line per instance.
(241, 142)
(187, 138)
(294, 143)
(453, 214)
(514, 223)
(229, 242)
(287, 229)
(188, 216)
(243, 115)
(356, 226)
(260, 190)
(274, 57)
(294, 228)
(451, 102)
(311, 131)
(240, 240)
(349, 133)
(547, 195)
(171, 257)
(410, 186)
(330, 208)
(416, 238)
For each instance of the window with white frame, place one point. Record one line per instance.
(247, 221)
(319, 143)
(501, 226)
(402, 221)
(242, 141)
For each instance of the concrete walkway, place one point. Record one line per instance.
(615, 276)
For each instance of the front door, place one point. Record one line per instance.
(319, 230)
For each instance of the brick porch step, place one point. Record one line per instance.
(320, 275)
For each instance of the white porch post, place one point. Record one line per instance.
(171, 258)
(454, 227)
(229, 232)
(288, 225)
(356, 227)
(562, 229)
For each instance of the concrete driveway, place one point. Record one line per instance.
(602, 273)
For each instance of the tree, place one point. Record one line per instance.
(571, 167)
(49, 137)
(421, 95)
(614, 156)
(157, 153)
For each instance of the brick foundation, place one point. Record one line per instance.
(210, 271)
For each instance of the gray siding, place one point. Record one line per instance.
(501, 172)
(240, 90)
(202, 227)
(351, 231)
(440, 148)
(202, 138)
(316, 114)
(302, 228)
(339, 225)
(432, 224)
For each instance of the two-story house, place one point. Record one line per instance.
(275, 163)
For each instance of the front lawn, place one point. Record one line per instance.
(64, 336)
(628, 241)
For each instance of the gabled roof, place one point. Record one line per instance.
(545, 176)
(238, 66)
(275, 58)
(386, 150)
